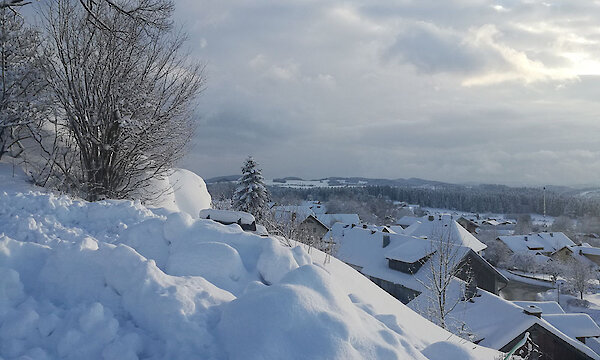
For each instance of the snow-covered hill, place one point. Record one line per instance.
(117, 280)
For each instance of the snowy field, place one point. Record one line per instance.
(306, 184)
(118, 280)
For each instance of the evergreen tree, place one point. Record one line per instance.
(251, 194)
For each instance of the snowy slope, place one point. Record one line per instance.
(116, 280)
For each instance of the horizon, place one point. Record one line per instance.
(515, 185)
(464, 91)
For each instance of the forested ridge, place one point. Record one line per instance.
(477, 198)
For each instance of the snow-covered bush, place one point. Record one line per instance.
(125, 91)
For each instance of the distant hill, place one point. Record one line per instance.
(219, 179)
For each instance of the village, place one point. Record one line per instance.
(492, 293)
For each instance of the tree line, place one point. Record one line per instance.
(476, 199)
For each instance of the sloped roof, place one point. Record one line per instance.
(547, 307)
(407, 220)
(364, 248)
(316, 220)
(330, 219)
(574, 325)
(495, 321)
(586, 250)
(411, 250)
(545, 242)
(286, 212)
(435, 227)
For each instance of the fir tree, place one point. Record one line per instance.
(251, 194)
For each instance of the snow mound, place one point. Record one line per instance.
(116, 280)
(183, 191)
(305, 316)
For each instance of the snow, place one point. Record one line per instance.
(407, 220)
(117, 280)
(537, 242)
(411, 251)
(182, 191)
(547, 307)
(574, 325)
(330, 219)
(530, 279)
(493, 321)
(436, 226)
(227, 216)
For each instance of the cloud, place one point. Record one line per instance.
(463, 90)
(432, 49)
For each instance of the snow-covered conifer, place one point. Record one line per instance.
(251, 194)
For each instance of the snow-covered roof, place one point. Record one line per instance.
(289, 212)
(586, 250)
(494, 322)
(227, 216)
(547, 307)
(435, 227)
(407, 220)
(537, 242)
(330, 219)
(412, 250)
(364, 248)
(396, 228)
(316, 206)
(574, 325)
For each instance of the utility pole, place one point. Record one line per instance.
(544, 203)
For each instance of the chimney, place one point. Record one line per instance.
(533, 310)
(386, 240)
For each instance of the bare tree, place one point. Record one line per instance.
(124, 100)
(154, 13)
(12, 4)
(579, 277)
(445, 265)
(22, 105)
(524, 224)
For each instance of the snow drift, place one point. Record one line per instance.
(116, 280)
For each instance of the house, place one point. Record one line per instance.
(588, 254)
(544, 243)
(407, 221)
(245, 220)
(330, 219)
(313, 227)
(291, 212)
(499, 324)
(576, 325)
(435, 227)
(470, 225)
(400, 264)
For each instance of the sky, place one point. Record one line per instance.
(456, 90)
